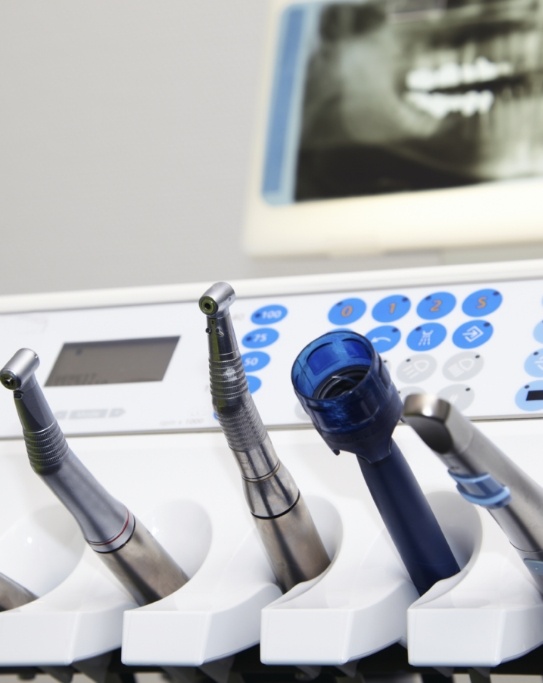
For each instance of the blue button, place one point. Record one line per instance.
(258, 339)
(254, 383)
(482, 302)
(538, 332)
(426, 337)
(254, 360)
(268, 315)
(472, 334)
(534, 364)
(530, 397)
(347, 311)
(384, 338)
(391, 308)
(436, 305)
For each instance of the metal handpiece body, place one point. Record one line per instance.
(282, 518)
(12, 594)
(345, 388)
(484, 475)
(130, 551)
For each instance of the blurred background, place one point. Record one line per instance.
(125, 141)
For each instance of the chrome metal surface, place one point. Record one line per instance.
(270, 490)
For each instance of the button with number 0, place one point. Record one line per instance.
(347, 311)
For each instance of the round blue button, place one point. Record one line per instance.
(538, 332)
(391, 308)
(254, 383)
(472, 334)
(268, 315)
(426, 337)
(482, 302)
(254, 360)
(347, 311)
(530, 396)
(534, 364)
(384, 338)
(436, 305)
(258, 339)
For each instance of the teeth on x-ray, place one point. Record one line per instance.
(453, 75)
(424, 82)
(440, 105)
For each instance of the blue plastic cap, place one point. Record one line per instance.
(346, 390)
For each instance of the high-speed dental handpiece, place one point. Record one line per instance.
(484, 475)
(130, 551)
(282, 518)
(346, 390)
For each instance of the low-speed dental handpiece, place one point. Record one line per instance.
(346, 390)
(484, 475)
(130, 551)
(282, 518)
(12, 594)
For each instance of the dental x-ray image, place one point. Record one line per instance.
(380, 96)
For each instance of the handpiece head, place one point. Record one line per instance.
(429, 415)
(345, 388)
(19, 370)
(216, 301)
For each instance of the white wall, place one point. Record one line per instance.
(125, 129)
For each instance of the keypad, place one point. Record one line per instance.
(479, 346)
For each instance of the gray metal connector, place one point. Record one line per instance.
(281, 515)
(110, 529)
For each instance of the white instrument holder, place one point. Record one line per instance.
(185, 487)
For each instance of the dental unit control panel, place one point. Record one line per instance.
(142, 367)
(126, 375)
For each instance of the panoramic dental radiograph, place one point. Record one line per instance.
(421, 94)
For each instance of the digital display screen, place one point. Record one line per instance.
(117, 361)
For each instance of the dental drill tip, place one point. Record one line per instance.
(19, 369)
(217, 299)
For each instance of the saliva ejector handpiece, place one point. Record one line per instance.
(289, 535)
(345, 388)
(129, 550)
(484, 475)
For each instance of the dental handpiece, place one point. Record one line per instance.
(346, 390)
(129, 550)
(484, 475)
(289, 535)
(12, 594)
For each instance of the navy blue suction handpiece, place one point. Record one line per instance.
(345, 388)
